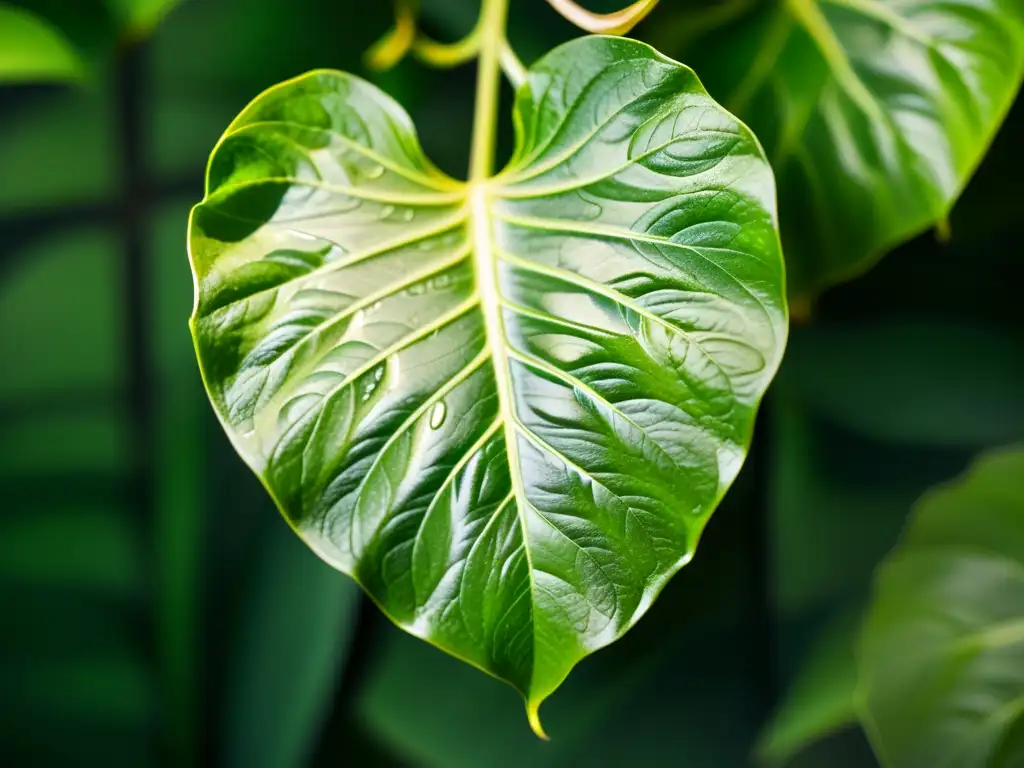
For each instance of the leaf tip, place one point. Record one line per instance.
(533, 714)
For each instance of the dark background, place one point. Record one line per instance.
(154, 609)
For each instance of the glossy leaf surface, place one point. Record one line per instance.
(874, 113)
(507, 408)
(954, 594)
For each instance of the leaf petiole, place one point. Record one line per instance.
(493, 16)
(512, 66)
(398, 41)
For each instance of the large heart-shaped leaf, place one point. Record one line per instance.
(506, 408)
(874, 113)
(953, 594)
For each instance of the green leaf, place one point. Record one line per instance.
(31, 49)
(141, 17)
(75, 269)
(507, 408)
(836, 508)
(874, 115)
(55, 167)
(37, 444)
(821, 699)
(942, 656)
(78, 548)
(438, 713)
(278, 695)
(434, 714)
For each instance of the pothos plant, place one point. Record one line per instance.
(507, 406)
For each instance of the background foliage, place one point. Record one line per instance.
(158, 611)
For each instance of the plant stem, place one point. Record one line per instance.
(392, 48)
(514, 69)
(493, 15)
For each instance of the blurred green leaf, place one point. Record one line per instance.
(920, 383)
(821, 699)
(77, 548)
(88, 24)
(117, 688)
(63, 291)
(71, 712)
(53, 165)
(234, 41)
(658, 708)
(39, 443)
(874, 114)
(440, 713)
(141, 17)
(835, 514)
(942, 654)
(1011, 751)
(72, 573)
(31, 49)
(181, 497)
(297, 621)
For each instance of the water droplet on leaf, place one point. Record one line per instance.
(438, 414)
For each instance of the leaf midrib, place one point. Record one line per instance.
(488, 291)
(809, 15)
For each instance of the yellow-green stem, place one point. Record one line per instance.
(493, 16)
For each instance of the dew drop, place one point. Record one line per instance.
(369, 387)
(408, 215)
(416, 289)
(386, 212)
(374, 172)
(438, 414)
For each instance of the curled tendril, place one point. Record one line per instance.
(618, 23)
(404, 39)
(447, 54)
(397, 41)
